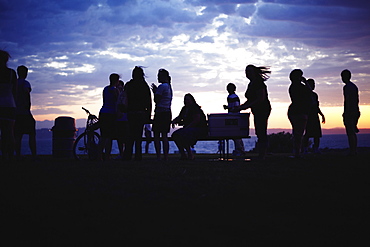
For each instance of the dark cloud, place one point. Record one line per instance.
(344, 3)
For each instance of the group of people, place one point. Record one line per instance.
(15, 110)
(128, 107)
(304, 111)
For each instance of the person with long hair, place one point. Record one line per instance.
(139, 109)
(301, 97)
(8, 90)
(195, 126)
(257, 100)
(162, 112)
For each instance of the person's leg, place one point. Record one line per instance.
(305, 144)
(120, 146)
(166, 146)
(260, 125)
(127, 153)
(32, 136)
(189, 152)
(7, 132)
(18, 143)
(298, 135)
(316, 144)
(32, 144)
(298, 125)
(352, 141)
(157, 144)
(101, 146)
(137, 130)
(177, 137)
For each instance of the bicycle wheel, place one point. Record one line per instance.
(86, 146)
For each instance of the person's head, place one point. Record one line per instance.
(22, 72)
(120, 84)
(164, 76)
(138, 73)
(311, 83)
(114, 78)
(346, 75)
(296, 75)
(231, 88)
(189, 99)
(4, 58)
(254, 73)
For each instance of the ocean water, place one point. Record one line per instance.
(44, 145)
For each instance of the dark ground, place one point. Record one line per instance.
(318, 201)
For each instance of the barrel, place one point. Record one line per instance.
(64, 135)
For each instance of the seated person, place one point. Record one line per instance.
(195, 126)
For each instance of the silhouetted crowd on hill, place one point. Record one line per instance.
(127, 108)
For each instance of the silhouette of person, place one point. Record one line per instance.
(313, 127)
(108, 117)
(301, 104)
(234, 101)
(195, 126)
(8, 90)
(122, 122)
(139, 108)
(24, 122)
(351, 112)
(162, 112)
(148, 136)
(257, 100)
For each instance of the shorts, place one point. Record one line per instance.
(107, 123)
(25, 124)
(350, 122)
(162, 122)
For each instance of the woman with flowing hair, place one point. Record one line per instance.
(257, 100)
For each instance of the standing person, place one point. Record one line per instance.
(24, 122)
(313, 128)
(122, 122)
(300, 95)
(8, 90)
(257, 100)
(108, 116)
(139, 108)
(195, 126)
(234, 101)
(351, 112)
(162, 116)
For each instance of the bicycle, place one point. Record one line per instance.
(86, 144)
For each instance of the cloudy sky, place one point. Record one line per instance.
(71, 47)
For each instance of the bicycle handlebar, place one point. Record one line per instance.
(87, 111)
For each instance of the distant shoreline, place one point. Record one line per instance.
(331, 131)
